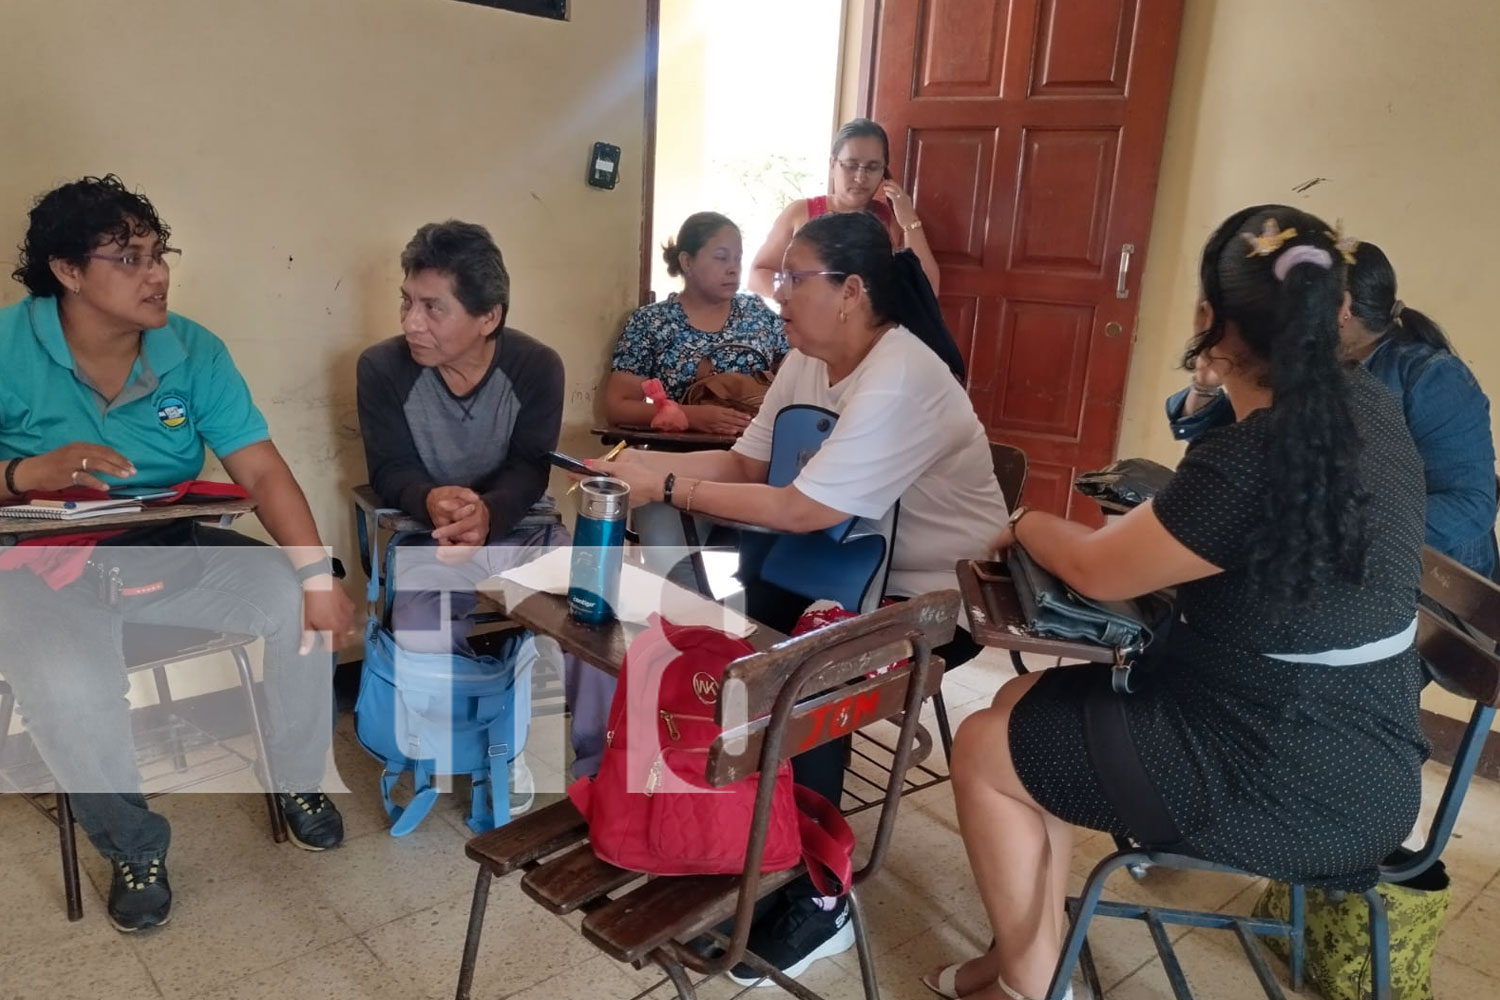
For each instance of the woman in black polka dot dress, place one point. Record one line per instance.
(1275, 728)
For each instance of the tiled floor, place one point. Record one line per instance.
(384, 919)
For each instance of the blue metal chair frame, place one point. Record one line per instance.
(1454, 659)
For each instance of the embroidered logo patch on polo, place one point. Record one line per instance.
(172, 411)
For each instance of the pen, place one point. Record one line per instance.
(607, 456)
(59, 504)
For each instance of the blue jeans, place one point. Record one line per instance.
(60, 651)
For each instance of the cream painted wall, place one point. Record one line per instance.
(1392, 103)
(295, 145)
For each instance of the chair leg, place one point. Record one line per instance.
(862, 944)
(164, 700)
(945, 731)
(1083, 908)
(1018, 663)
(247, 684)
(1380, 946)
(681, 981)
(476, 928)
(68, 840)
(1298, 944)
(7, 710)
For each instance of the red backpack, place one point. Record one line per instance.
(650, 808)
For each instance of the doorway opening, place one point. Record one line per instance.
(734, 135)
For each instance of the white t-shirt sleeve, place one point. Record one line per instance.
(755, 441)
(879, 447)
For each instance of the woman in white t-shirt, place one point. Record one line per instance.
(867, 342)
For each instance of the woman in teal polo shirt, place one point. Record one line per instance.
(104, 387)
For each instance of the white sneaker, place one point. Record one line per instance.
(522, 787)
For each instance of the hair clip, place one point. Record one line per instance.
(1272, 237)
(1346, 245)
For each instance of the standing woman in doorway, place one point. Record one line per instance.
(859, 181)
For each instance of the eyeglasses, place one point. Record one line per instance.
(854, 168)
(136, 261)
(791, 279)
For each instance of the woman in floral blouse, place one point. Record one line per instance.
(708, 319)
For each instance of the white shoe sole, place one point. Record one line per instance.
(841, 942)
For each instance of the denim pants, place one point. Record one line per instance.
(432, 613)
(60, 650)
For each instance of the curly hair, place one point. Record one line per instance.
(71, 221)
(1286, 315)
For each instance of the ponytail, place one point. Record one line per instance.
(1412, 325)
(1315, 509)
(913, 304)
(855, 243)
(1372, 295)
(1283, 298)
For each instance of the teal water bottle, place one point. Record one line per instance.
(598, 550)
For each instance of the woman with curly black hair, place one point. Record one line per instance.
(1446, 411)
(105, 388)
(1275, 728)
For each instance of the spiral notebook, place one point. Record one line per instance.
(69, 510)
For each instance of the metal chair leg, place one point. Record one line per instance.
(1380, 946)
(862, 943)
(7, 710)
(68, 840)
(476, 928)
(1298, 944)
(247, 683)
(164, 700)
(945, 731)
(681, 981)
(1018, 663)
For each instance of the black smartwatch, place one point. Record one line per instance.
(667, 485)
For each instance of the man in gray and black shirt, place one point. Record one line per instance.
(457, 415)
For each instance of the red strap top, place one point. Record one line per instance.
(818, 205)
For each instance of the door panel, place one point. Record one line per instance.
(1029, 133)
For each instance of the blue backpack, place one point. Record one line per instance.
(442, 714)
(436, 713)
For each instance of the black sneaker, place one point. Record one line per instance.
(312, 820)
(139, 895)
(795, 936)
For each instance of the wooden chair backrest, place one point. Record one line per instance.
(1010, 471)
(1462, 663)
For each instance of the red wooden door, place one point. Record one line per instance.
(1029, 133)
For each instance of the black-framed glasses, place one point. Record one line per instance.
(854, 167)
(791, 279)
(134, 260)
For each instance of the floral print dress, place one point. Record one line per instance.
(659, 342)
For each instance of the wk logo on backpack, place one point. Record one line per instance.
(706, 687)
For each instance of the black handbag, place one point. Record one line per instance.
(1053, 608)
(1127, 483)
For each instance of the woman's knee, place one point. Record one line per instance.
(981, 742)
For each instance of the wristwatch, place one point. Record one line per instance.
(666, 488)
(320, 567)
(1016, 515)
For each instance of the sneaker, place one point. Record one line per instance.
(522, 787)
(795, 937)
(312, 820)
(139, 895)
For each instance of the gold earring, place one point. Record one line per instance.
(842, 316)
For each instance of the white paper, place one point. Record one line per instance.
(642, 594)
